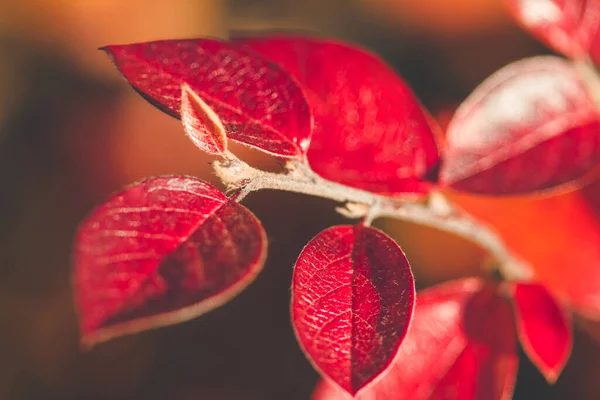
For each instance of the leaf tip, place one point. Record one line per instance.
(108, 49)
(87, 343)
(544, 329)
(552, 375)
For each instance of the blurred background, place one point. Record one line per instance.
(72, 132)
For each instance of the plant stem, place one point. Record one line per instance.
(456, 221)
(300, 179)
(436, 213)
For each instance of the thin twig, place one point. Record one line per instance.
(461, 224)
(236, 174)
(437, 213)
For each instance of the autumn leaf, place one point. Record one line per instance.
(162, 252)
(352, 301)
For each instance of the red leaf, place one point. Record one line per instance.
(461, 345)
(544, 329)
(370, 131)
(558, 236)
(162, 252)
(530, 126)
(259, 104)
(352, 301)
(201, 124)
(568, 26)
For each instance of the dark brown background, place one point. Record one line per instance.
(71, 132)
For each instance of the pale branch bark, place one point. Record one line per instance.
(436, 213)
(462, 224)
(236, 174)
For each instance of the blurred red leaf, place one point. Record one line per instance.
(530, 126)
(162, 252)
(201, 124)
(370, 131)
(259, 104)
(352, 301)
(568, 26)
(544, 329)
(561, 241)
(461, 345)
